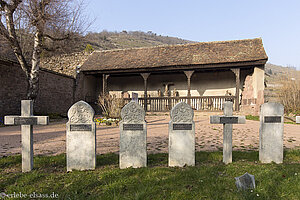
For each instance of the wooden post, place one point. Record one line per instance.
(236, 71)
(104, 84)
(189, 75)
(145, 77)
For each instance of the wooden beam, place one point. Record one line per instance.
(104, 84)
(236, 71)
(189, 75)
(145, 77)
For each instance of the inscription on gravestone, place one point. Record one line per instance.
(25, 120)
(80, 127)
(133, 127)
(272, 119)
(182, 126)
(229, 120)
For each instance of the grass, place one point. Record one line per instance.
(256, 118)
(209, 179)
(251, 117)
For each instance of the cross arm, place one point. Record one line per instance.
(30, 120)
(222, 119)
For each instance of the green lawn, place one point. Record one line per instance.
(256, 118)
(209, 179)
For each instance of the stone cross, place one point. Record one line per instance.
(271, 133)
(81, 137)
(182, 136)
(298, 119)
(26, 120)
(133, 136)
(227, 120)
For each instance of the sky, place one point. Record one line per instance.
(277, 22)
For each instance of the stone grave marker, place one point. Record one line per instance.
(244, 182)
(135, 97)
(271, 133)
(298, 119)
(182, 136)
(133, 136)
(26, 120)
(227, 120)
(81, 137)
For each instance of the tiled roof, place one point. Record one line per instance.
(201, 53)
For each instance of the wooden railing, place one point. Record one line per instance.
(209, 103)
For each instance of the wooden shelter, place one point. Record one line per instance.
(213, 71)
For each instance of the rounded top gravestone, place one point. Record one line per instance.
(81, 112)
(133, 113)
(182, 112)
(272, 108)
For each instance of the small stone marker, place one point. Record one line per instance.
(133, 136)
(26, 120)
(271, 133)
(245, 182)
(135, 97)
(227, 120)
(182, 136)
(298, 119)
(81, 137)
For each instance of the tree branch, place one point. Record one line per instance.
(14, 4)
(51, 49)
(3, 30)
(3, 3)
(57, 39)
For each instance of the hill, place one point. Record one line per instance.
(121, 40)
(276, 75)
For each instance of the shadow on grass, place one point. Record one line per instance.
(9, 161)
(159, 160)
(210, 179)
(107, 159)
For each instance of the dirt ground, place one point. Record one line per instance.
(51, 139)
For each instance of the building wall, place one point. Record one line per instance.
(55, 91)
(253, 92)
(12, 90)
(216, 83)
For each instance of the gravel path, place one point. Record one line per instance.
(51, 139)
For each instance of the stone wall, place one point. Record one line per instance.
(55, 94)
(66, 63)
(12, 90)
(253, 91)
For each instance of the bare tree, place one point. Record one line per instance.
(40, 21)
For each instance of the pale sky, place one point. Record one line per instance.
(277, 22)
